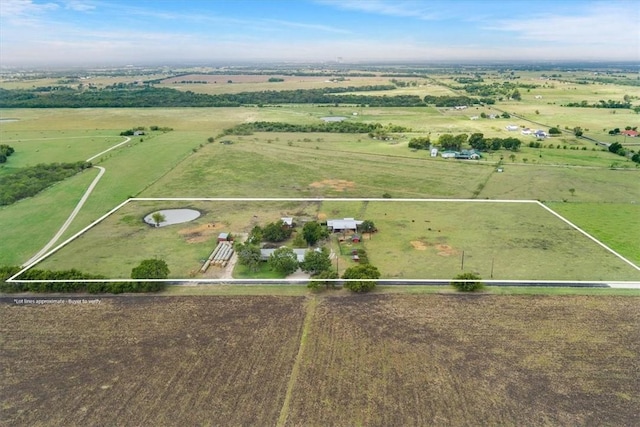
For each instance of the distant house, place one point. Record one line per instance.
(540, 134)
(632, 133)
(346, 224)
(287, 221)
(138, 133)
(538, 96)
(492, 116)
(460, 107)
(526, 131)
(449, 154)
(474, 117)
(468, 155)
(512, 128)
(434, 152)
(223, 237)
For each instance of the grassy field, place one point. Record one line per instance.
(361, 360)
(181, 164)
(416, 240)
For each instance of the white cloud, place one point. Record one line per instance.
(407, 9)
(23, 12)
(80, 5)
(315, 27)
(614, 24)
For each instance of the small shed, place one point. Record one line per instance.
(355, 258)
(356, 238)
(223, 237)
(287, 221)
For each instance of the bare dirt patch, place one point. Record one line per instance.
(419, 245)
(201, 233)
(446, 250)
(334, 184)
(470, 360)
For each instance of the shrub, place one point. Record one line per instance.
(467, 282)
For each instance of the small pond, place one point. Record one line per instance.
(333, 118)
(173, 216)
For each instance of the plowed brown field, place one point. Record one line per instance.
(382, 360)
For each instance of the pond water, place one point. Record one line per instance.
(333, 118)
(173, 216)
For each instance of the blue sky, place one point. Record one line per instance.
(140, 32)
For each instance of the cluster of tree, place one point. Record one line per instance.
(5, 151)
(600, 104)
(502, 90)
(468, 80)
(616, 131)
(329, 127)
(617, 148)
(402, 83)
(420, 143)
(480, 143)
(130, 132)
(29, 181)
(504, 115)
(554, 131)
(450, 142)
(73, 274)
(167, 97)
(273, 232)
(449, 101)
(275, 79)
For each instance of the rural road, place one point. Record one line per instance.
(75, 211)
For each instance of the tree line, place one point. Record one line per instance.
(29, 181)
(329, 127)
(149, 96)
(72, 274)
(476, 141)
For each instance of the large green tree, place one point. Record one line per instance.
(313, 232)
(276, 232)
(361, 277)
(284, 261)
(316, 262)
(151, 269)
(249, 255)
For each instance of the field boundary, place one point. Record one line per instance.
(633, 284)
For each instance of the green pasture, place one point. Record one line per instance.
(415, 240)
(520, 241)
(553, 183)
(616, 224)
(29, 224)
(250, 168)
(181, 163)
